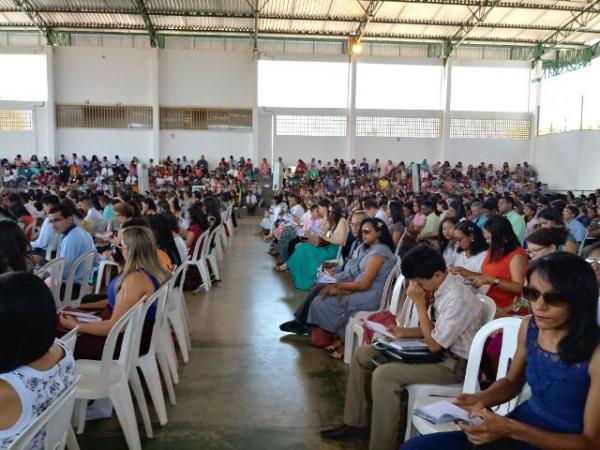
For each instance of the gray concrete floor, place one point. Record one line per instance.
(247, 385)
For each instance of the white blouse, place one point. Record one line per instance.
(472, 263)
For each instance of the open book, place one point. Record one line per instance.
(325, 278)
(445, 412)
(81, 316)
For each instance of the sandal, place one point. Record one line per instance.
(281, 268)
(337, 355)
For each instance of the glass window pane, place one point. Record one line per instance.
(25, 80)
(501, 89)
(302, 84)
(398, 86)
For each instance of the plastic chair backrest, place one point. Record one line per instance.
(70, 339)
(126, 357)
(396, 293)
(207, 246)
(408, 315)
(177, 282)
(160, 299)
(101, 274)
(56, 420)
(199, 247)
(489, 308)
(388, 286)
(510, 332)
(54, 246)
(87, 261)
(582, 245)
(55, 270)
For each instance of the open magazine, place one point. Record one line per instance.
(445, 412)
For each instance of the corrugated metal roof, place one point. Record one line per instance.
(517, 21)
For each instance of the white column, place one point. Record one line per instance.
(155, 97)
(446, 98)
(351, 128)
(255, 116)
(535, 91)
(49, 149)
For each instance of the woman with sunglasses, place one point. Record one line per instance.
(362, 290)
(558, 356)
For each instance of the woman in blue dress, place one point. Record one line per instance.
(558, 355)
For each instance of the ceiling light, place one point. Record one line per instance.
(356, 47)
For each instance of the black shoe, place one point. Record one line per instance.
(293, 326)
(344, 432)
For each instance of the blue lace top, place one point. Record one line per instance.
(558, 390)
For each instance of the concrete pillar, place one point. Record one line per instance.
(49, 149)
(255, 116)
(351, 128)
(535, 91)
(155, 98)
(446, 99)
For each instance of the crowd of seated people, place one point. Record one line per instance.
(468, 230)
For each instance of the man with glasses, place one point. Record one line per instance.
(76, 242)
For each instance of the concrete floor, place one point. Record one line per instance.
(247, 385)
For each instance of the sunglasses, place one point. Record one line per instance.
(550, 298)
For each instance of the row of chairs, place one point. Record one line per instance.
(118, 379)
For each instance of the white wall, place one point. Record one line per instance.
(108, 75)
(220, 79)
(569, 161)
(103, 75)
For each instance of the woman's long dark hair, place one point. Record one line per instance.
(504, 240)
(198, 217)
(161, 228)
(14, 247)
(26, 303)
(379, 225)
(478, 243)
(335, 215)
(441, 239)
(212, 210)
(17, 207)
(397, 212)
(574, 278)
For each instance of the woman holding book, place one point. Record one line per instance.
(558, 356)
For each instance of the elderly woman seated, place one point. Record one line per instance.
(359, 289)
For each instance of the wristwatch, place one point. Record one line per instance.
(496, 282)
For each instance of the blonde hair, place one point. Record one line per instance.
(142, 249)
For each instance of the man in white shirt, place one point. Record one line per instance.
(93, 218)
(251, 202)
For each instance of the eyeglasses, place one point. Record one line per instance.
(550, 298)
(366, 231)
(533, 251)
(594, 262)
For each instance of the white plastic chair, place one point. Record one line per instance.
(354, 330)
(110, 378)
(70, 339)
(54, 246)
(103, 274)
(489, 307)
(87, 262)
(422, 394)
(54, 270)
(55, 420)
(210, 254)
(198, 259)
(338, 260)
(177, 312)
(148, 363)
(220, 243)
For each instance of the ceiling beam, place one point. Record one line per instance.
(156, 41)
(337, 19)
(74, 27)
(369, 14)
(478, 16)
(575, 8)
(576, 24)
(36, 20)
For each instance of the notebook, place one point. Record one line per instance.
(445, 412)
(82, 317)
(409, 345)
(325, 278)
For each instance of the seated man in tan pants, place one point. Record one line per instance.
(447, 323)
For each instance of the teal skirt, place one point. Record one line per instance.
(305, 261)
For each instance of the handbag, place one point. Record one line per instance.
(320, 338)
(385, 318)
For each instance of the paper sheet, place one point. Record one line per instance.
(325, 278)
(379, 328)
